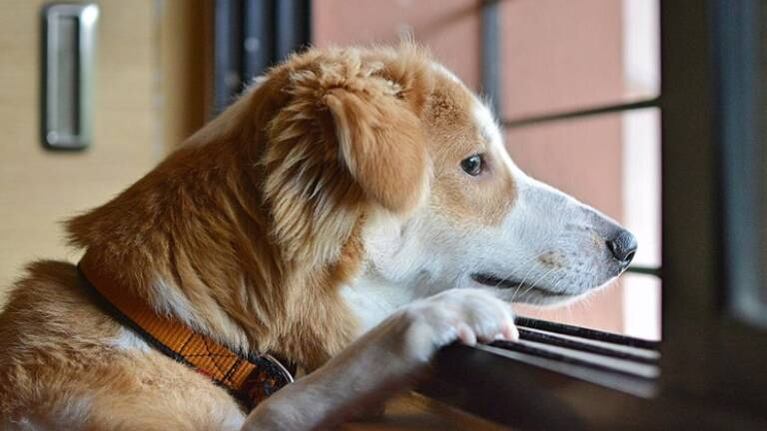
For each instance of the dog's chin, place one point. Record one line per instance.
(517, 292)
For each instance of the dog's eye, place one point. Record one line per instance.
(473, 165)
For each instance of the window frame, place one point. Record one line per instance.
(250, 36)
(732, 350)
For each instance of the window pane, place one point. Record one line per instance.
(565, 55)
(642, 182)
(641, 306)
(611, 162)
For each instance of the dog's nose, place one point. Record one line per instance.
(623, 247)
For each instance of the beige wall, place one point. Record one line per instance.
(151, 91)
(40, 188)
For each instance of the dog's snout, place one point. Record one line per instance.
(623, 246)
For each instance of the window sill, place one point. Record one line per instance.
(558, 377)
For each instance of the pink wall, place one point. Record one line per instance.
(561, 55)
(450, 28)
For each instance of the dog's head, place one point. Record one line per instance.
(443, 204)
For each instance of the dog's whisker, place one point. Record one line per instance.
(540, 279)
(527, 274)
(522, 284)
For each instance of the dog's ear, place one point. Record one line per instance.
(381, 143)
(365, 114)
(347, 136)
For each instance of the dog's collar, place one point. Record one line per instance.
(249, 378)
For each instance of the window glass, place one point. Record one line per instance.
(566, 55)
(641, 306)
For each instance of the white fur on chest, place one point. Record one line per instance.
(387, 282)
(372, 301)
(128, 340)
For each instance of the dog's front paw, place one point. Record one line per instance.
(458, 314)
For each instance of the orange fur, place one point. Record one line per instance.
(201, 222)
(454, 137)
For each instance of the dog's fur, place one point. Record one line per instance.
(324, 217)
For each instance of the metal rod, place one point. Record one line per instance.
(570, 343)
(646, 270)
(607, 109)
(559, 357)
(491, 54)
(591, 334)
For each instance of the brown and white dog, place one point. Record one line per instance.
(353, 211)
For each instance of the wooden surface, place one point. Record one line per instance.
(414, 412)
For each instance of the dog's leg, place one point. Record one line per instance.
(382, 360)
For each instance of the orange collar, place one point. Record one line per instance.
(248, 378)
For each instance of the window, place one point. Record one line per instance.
(578, 87)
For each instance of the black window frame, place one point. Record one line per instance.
(249, 37)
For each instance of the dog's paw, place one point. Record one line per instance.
(467, 315)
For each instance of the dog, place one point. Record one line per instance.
(351, 213)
